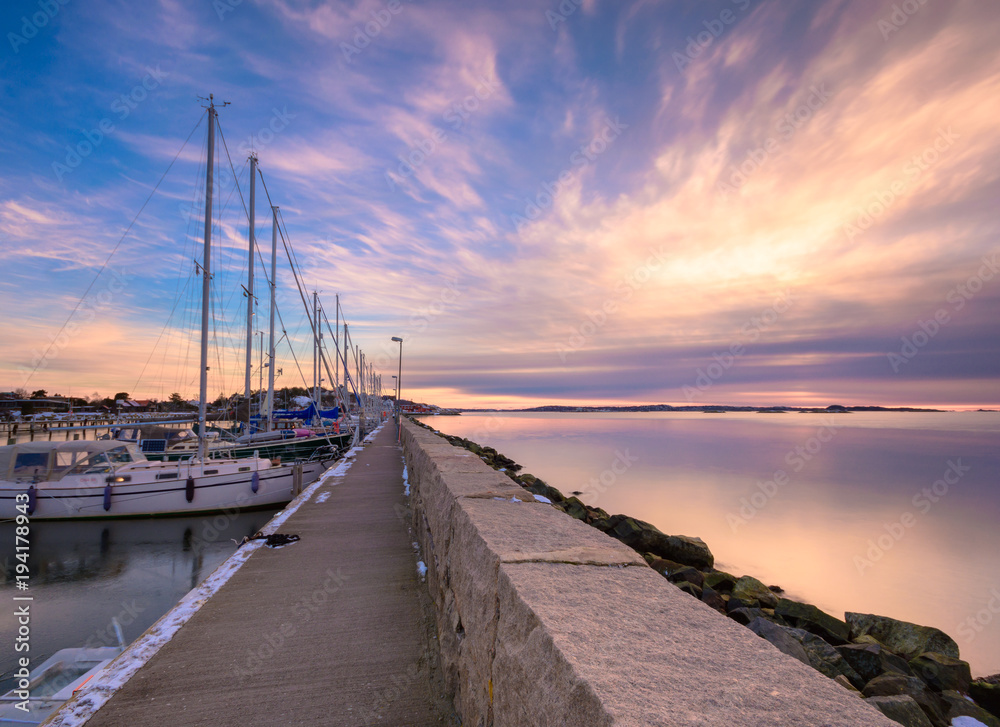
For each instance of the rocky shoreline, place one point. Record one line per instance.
(911, 673)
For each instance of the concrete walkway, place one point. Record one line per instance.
(335, 629)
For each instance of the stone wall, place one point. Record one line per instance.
(543, 620)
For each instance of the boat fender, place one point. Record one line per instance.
(255, 482)
(32, 499)
(107, 498)
(189, 489)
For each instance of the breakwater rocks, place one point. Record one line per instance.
(911, 673)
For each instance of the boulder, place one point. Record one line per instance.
(643, 537)
(780, 638)
(826, 660)
(749, 590)
(890, 685)
(901, 637)
(690, 588)
(813, 620)
(871, 660)
(712, 598)
(572, 507)
(595, 515)
(662, 566)
(957, 705)
(689, 574)
(902, 709)
(941, 672)
(539, 487)
(846, 684)
(721, 581)
(986, 695)
(744, 616)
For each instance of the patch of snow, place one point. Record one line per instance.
(323, 496)
(406, 482)
(502, 469)
(421, 569)
(514, 499)
(966, 722)
(542, 498)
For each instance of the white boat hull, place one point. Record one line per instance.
(212, 492)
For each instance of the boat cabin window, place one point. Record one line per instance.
(94, 464)
(31, 464)
(119, 455)
(91, 463)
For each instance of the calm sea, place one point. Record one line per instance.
(890, 513)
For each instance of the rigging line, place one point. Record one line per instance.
(162, 331)
(108, 260)
(243, 201)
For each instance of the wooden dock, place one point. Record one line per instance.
(335, 629)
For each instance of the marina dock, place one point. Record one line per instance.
(334, 629)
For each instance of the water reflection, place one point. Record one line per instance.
(84, 573)
(842, 511)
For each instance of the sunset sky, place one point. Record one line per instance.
(593, 201)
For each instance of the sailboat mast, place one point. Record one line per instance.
(206, 282)
(246, 383)
(336, 349)
(316, 351)
(274, 282)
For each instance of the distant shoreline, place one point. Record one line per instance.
(713, 409)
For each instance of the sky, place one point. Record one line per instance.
(576, 202)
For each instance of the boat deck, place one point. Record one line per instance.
(335, 629)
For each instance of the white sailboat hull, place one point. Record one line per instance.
(217, 486)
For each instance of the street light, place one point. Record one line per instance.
(399, 390)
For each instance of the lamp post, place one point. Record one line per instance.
(399, 390)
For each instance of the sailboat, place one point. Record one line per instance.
(108, 478)
(288, 436)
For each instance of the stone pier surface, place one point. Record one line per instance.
(543, 620)
(334, 629)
